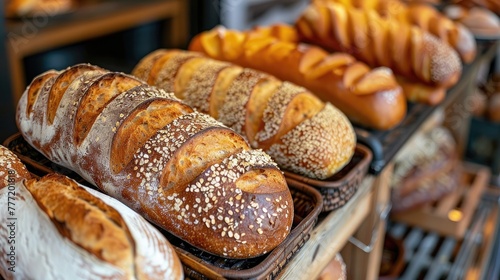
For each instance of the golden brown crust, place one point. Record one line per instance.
(12, 170)
(140, 126)
(262, 108)
(164, 173)
(84, 219)
(431, 61)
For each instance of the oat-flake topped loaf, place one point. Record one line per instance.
(181, 169)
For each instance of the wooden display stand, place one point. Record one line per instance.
(34, 35)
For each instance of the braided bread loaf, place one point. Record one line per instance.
(370, 97)
(181, 169)
(78, 232)
(424, 16)
(300, 132)
(406, 49)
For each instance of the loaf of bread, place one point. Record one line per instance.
(480, 21)
(20, 8)
(407, 49)
(180, 169)
(300, 132)
(12, 170)
(492, 5)
(335, 270)
(368, 97)
(57, 229)
(423, 16)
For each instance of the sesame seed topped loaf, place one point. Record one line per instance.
(181, 169)
(301, 133)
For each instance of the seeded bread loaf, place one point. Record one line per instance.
(78, 232)
(300, 132)
(369, 97)
(180, 169)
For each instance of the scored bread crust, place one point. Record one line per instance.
(299, 131)
(358, 31)
(181, 169)
(67, 230)
(370, 97)
(12, 170)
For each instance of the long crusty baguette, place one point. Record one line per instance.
(424, 16)
(300, 132)
(406, 49)
(414, 91)
(370, 97)
(12, 170)
(180, 169)
(57, 229)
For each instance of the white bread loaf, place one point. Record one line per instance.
(57, 229)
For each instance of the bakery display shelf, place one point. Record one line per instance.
(341, 187)
(430, 255)
(451, 215)
(385, 144)
(197, 264)
(331, 234)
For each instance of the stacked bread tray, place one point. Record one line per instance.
(197, 264)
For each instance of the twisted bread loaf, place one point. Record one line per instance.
(300, 132)
(370, 97)
(181, 169)
(78, 232)
(424, 16)
(406, 49)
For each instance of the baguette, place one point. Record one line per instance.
(369, 97)
(78, 232)
(180, 169)
(413, 91)
(300, 132)
(423, 16)
(408, 50)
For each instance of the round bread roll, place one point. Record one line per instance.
(335, 269)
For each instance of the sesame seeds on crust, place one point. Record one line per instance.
(307, 147)
(276, 108)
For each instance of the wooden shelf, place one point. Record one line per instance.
(29, 36)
